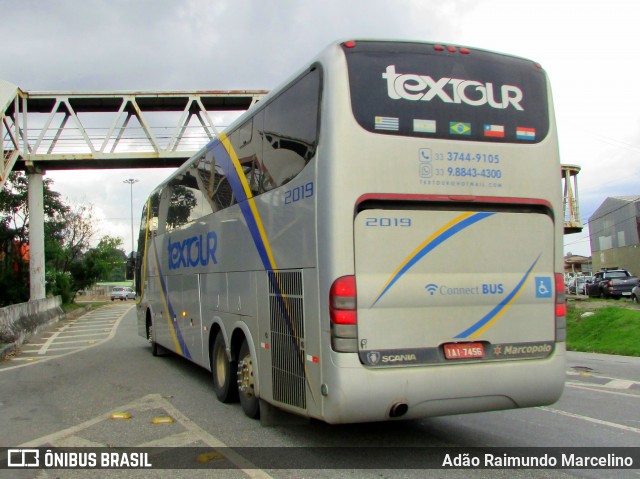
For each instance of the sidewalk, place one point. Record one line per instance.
(6, 350)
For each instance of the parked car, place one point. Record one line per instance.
(611, 283)
(578, 285)
(122, 293)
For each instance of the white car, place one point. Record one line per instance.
(122, 293)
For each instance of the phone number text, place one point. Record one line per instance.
(464, 156)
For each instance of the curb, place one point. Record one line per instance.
(6, 350)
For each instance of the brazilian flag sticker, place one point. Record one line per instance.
(457, 128)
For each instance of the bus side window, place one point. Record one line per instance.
(247, 144)
(202, 171)
(222, 194)
(213, 184)
(148, 229)
(149, 220)
(187, 202)
(290, 130)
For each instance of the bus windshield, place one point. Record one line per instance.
(423, 90)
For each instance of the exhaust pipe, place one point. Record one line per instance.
(398, 410)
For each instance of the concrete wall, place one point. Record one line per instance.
(627, 258)
(19, 321)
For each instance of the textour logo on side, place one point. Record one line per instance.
(450, 90)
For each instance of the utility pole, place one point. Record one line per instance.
(131, 181)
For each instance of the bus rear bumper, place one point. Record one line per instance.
(360, 394)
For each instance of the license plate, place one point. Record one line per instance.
(463, 350)
(626, 294)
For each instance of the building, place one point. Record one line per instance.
(576, 265)
(614, 233)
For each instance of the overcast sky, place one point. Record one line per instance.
(588, 48)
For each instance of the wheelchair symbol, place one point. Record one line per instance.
(543, 287)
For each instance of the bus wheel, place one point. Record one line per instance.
(155, 351)
(221, 368)
(246, 390)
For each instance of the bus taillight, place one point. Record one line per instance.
(452, 49)
(342, 310)
(561, 309)
(343, 300)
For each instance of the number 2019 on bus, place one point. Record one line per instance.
(299, 193)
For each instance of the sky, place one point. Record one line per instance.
(588, 48)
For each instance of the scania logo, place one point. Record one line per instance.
(373, 357)
(450, 90)
(399, 358)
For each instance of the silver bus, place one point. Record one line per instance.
(378, 238)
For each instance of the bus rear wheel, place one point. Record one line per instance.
(221, 370)
(155, 349)
(246, 383)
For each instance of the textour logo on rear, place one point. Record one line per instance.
(450, 90)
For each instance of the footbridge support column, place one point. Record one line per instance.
(36, 235)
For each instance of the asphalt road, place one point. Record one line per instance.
(76, 385)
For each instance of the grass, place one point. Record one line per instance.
(71, 307)
(115, 283)
(611, 330)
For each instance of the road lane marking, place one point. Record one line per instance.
(192, 434)
(598, 388)
(30, 361)
(614, 383)
(591, 419)
(619, 384)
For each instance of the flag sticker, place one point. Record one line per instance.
(457, 128)
(523, 133)
(494, 131)
(387, 123)
(424, 126)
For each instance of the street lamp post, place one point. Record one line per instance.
(131, 181)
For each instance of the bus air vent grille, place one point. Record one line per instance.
(286, 303)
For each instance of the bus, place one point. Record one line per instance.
(379, 238)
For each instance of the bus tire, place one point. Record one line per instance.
(246, 383)
(155, 349)
(221, 372)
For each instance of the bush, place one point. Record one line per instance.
(61, 284)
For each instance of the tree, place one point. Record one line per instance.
(105, 261)
(69, 237)
(14, 234)
(70, 263)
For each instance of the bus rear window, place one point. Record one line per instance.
(412, 89)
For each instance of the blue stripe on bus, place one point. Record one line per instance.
(496, 312)
(461, 223)
(231, 168)
(173, 325)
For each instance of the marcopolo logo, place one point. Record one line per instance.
(522, 350)
(450, 90)
(194, 251)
